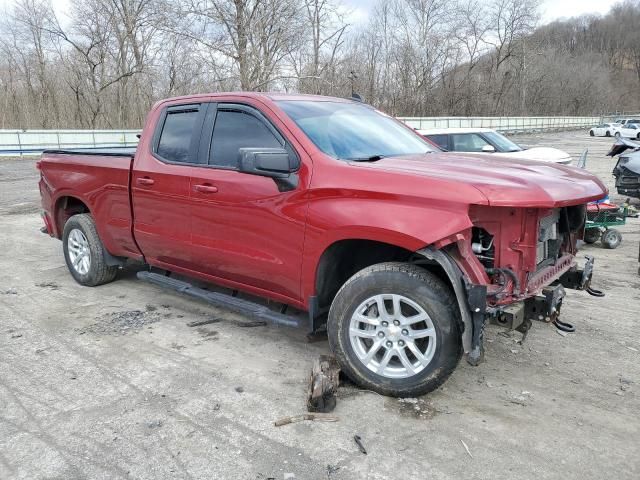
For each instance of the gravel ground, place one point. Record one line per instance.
(110, 382)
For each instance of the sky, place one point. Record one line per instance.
(550, 10)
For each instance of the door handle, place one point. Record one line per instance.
(206, 188)
(146, 181)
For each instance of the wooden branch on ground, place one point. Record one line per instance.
(317, 417)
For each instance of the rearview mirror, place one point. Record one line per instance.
(268, 162)
(488, 149)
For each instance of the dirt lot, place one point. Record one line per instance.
(110, 382)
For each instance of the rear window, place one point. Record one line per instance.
(175, 139)
(442, 140)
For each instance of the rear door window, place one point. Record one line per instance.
(442, 140)
(178, 138)
(236, 129)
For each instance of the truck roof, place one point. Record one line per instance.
(275, 96)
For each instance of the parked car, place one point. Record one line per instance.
(629, 130)
(336, 209)
(605, 130)
(486, 140)
(625, 121)
(627, 169)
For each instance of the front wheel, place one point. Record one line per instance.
(84, 253)
(395, 329)
(618, 134)
(591, 133)
(608, 133)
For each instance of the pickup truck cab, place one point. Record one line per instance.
(400, 252)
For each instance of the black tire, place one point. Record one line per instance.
(591, 235)
(591, 133)
(608, 134)
(618, 134)
(417, 285)
(98, 272)
(638, 136)
(611, 239)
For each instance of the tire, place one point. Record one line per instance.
(638, 136)
(617, 134)
(591, 235)
(611, 239)
(80, 239)
(608, 134)
(415, 290)
(591, 133)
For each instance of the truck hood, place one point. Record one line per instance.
(503, 181)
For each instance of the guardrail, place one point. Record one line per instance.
(503, 124)
(33, 142)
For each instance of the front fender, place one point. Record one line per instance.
(410, 226)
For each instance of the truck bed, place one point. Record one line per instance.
(73, 179)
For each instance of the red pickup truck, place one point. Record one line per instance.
(402, 253)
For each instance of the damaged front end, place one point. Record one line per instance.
(627, 169)
(512, 267)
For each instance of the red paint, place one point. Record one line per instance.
(238, 230)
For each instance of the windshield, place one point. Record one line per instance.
(349, 131)
(503, 143)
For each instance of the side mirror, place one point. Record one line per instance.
(267, 162)
(488, 149)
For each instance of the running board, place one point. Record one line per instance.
(235, 304)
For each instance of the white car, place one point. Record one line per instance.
(486, 140)
(629, 130)
(626, 121)
(605, 130)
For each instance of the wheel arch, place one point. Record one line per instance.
(343, 258)
(65, 206)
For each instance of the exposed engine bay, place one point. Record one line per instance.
(527, 257)
(534, 257)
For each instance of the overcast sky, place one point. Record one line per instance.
(550, 9)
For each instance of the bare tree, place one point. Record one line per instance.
(107, 61)
(251, 37)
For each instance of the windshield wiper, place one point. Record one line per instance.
(372, 158)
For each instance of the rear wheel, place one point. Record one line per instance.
(591, 235)
(618, 134)
(84, 252)
(395, 329)
(591, 133)
(611, 239)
